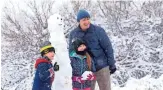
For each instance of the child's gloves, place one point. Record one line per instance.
(56, 67)
(78, 79)
(91, 77)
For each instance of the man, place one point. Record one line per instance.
(99, 47)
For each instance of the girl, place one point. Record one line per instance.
(44, 75)
(81, 62)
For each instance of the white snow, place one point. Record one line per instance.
(146, 83)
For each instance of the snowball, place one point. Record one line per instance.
(85, 74)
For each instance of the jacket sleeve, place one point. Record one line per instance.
(43, 69)
(70, 43)
(106, 46)
(72, 62)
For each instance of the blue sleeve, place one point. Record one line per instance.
(74, 66)
(106, 46)
(44, 73)
(72, 62)
(70, 43)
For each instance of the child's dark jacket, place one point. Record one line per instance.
(43, 78)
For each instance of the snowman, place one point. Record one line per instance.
(62, 79)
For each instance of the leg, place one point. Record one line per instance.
(103, 79)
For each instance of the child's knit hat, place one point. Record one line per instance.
(82, 14)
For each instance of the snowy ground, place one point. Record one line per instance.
(146, 83)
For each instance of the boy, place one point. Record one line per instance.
(44, 75)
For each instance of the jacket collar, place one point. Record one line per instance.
(41, 60)
(74, 54)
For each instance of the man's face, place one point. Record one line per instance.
(84, 23)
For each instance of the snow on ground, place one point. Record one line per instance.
(146, 83)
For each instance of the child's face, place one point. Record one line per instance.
(81, 47)
(50, 55)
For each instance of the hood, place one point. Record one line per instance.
(41, 60)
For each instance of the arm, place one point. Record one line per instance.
(43, 70)
(106, 46)
(75, 78)
(70, 43)
(72, 62)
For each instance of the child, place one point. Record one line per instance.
(44, 75)
(81, 62)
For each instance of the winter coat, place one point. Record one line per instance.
(98, 44)
(43, 80)
(79, 66)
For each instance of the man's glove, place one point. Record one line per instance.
(112, 69)
(78, 79)
(56, 67)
